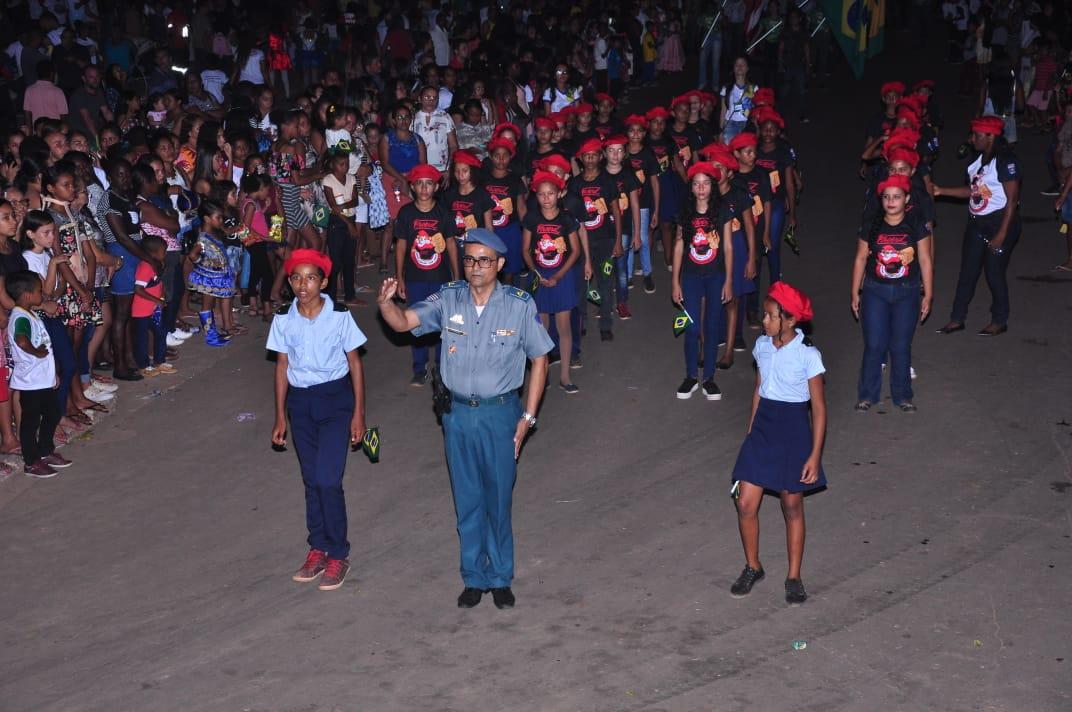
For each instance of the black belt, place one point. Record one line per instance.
(474, 402)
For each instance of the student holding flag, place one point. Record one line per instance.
(551, 249)
(702, 273)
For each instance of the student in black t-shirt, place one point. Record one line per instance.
(603, 225)
(551, 249)
(671, 185)
(778, 159)
(469, 205)
(645, 167)
(629, 203)
(892, 261)
(880, 126)
(702, 275)
(426, 255)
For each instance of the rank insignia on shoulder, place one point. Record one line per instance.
(518, 294)
(455, 284)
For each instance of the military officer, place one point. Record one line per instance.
(488, 330)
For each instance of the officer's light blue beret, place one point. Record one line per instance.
(482, 236)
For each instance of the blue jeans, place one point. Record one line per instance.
(773, 256)
(143, 326)
(976, 257)
(480, 454)
(626, 261)
(63, 351)
(710, 55)
(731, 129)
(695, 289)
(320, 427)
(888, 314)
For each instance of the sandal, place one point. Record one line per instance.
(17, 450)
(863, 406)
(98, 408)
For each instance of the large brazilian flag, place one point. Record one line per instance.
(859, 26)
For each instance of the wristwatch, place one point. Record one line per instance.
(530, 419)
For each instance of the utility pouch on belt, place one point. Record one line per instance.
(441, 398)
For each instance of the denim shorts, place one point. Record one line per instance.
(123, 279)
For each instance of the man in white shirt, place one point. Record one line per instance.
(436, 128)
(437, 30)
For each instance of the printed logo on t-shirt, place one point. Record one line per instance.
(504, 205)
(595, 207)
(891, 263)
(980, 194)
(428, 245)
(550, 247)
(703, 248)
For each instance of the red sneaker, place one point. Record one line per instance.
(334, 574)
(56, 460)
(314, 565)
(623, 312)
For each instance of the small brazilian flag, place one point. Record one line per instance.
(607, 268)
(370, 443)
(534, 284)
(682, 320)
(321, 216)
(593, 294)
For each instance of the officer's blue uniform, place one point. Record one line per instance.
(482, 362)
(320, 405)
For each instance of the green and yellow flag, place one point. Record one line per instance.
(682, 320)
(593, 294)
(371, 444)
(859, 26)
(607, 268)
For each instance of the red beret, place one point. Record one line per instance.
(659, 112)
(988, 125)
(720, 153)
(903, 138)
(744, 139)
(765, 113)
(616, 140)
(601, 97)
(708, 169)
(560, 117)
(308, 257)
(636, 120)
(911, 102)
(582, 108)
(543, 122)
(423, 171)
(506, 143)
(506, 126)
(680, 99)
(763, 97)
(892, 87)
(555, 160)
(899, 153)
(707, 97)
(546, 177)
(592, 145)
(463, 156)
(791, 300)
(898, 181)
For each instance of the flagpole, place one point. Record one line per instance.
(713, 23)
(776, 26)
(817, 27)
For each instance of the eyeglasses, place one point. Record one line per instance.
(484, 261)
(402, 117)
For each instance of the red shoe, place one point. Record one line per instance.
(623, 311)
(334, 574)
(56, 460)
(314, 565)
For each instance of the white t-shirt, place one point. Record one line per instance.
(739, 103)
(560, 100)
(599, 54)
(31, 373)
(213, 80)
(251, 72)
(434, 129)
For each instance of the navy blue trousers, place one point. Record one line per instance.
(320, 427)
(480, 455)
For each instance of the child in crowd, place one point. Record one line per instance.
(211, 274)
(319, 386)
(255, 202)
(782, 451)
(147, 309)
(34, 376)
(341, 193)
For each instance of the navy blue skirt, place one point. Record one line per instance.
(774, 453)
(741, 284)
(511, 235)
(671, 193)
(560, 298)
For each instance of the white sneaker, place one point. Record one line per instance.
(172, 341)
(97, 395)
(912, 372)
(180, 334)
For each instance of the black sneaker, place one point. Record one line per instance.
(687, 388)
(649, 284)
(1053, 190)
(739, 346)
(629, 283)
(711, 391)
(503, 597)
(554, 358)
(419, 379)
(575, 362)
(744, 583)
(470, 597)
(794, 592)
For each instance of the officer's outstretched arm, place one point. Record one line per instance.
(397, 317)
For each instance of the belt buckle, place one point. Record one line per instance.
(474, 402)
